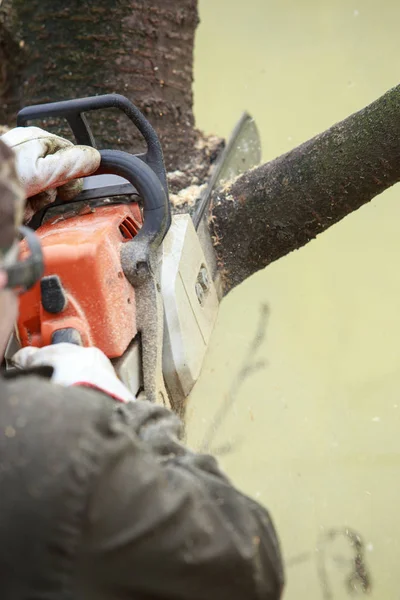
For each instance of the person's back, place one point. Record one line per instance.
(100, 500)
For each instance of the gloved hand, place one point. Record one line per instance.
(48, 164)
(75, 365)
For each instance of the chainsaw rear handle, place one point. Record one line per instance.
(156, 206)
(73, 111)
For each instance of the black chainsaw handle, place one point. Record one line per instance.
(156, 206)
(73, 111)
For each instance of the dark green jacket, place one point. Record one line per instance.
(100, 501)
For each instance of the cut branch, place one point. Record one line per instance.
(280, 206)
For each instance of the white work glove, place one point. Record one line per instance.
(75, 365)
(48, 165)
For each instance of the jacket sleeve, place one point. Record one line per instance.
(164, 522)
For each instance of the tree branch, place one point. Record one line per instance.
(281, 205)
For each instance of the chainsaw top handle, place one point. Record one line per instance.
(73, 111)
(145, 172)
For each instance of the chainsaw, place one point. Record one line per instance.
(120, 272)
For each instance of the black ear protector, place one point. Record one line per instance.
(22, 275)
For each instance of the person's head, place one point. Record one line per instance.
(12, 200)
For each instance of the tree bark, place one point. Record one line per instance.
(139, 48)
(10, 61)
(280, 206)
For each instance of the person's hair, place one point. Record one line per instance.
(11, 198)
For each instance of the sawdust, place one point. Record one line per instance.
(197, 170)
(187, 184)
(207, 142)
(188, 196)
(176, 178)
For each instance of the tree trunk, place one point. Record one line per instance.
(282, 205)
(11, 58)
(141, 49)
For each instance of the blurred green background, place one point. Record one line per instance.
(314, 433)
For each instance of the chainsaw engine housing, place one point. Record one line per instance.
(83, 288)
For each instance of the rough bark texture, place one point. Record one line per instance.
(280, 206)
(11, 57)
(141, 49)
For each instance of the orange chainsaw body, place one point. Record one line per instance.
(83, 276)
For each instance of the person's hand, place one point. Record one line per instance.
(48, 165)
(75, 365)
